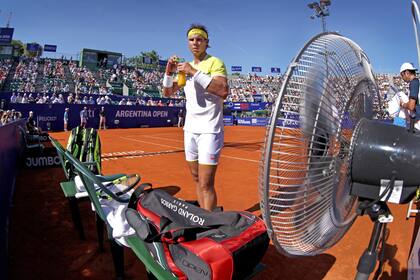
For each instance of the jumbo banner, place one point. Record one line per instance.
(51, 117)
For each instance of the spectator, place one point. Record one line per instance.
(83, 117)
(31, 124)
(102, 118)
(13, 98)
(181, 117)
(408, 74)
(66, 118)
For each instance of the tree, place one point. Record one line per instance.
(153, 55)
(19, 47)
(138, 60)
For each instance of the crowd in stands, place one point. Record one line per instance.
(5, 66)
(254, 88)
(38, 98)
(9, 116)
(61, 85)
(54, 78)
(25, 76)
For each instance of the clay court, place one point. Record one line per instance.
(44, 244)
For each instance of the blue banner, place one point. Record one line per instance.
(249, 121)
(275, 70)
(289, 120)
(6, 35)
(11, 147)
(236, 68)
(228, 120)
(163, 62)
(258, 97)
(50, 48)
(247, 106)
(256, 69)
(50, 117)
(32, 47)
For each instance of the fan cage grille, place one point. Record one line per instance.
(304, 187)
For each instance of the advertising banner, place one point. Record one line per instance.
(248, 121)
(50, 117)
(228, 120)
(247, 106)
(32, 47)
(11, 147)
(256, 69)
(6, 35)
(50, 48)
(275, 70)
(236, 68)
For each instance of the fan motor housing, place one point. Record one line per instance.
(383, 151)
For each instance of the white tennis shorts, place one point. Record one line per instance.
(204, 148)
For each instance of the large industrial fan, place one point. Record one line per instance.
(325, 160)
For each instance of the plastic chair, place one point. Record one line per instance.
(74, 196)
(94, 186)
(96, 189)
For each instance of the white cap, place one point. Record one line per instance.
(407, 66)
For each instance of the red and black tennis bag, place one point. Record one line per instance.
(194, 243)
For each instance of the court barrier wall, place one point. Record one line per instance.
(11, 149)
(51, 117)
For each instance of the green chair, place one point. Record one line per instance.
(74, 196)
(96, 190)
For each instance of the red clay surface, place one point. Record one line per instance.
(44, 244)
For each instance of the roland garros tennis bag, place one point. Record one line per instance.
(85, 145)
(196, 244)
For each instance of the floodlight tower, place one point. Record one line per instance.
(321, 11)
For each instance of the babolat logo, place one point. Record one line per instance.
(42, 161)
(194, 267)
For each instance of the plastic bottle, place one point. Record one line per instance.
(181, 78)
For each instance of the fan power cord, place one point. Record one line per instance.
(388, 191)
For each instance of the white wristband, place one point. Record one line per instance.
(168, 81)
(202, 79)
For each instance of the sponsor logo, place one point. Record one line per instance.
(179, 209)
(141, 114)
(42, 161)
(194, 267)
(242, 121)
(47, 118)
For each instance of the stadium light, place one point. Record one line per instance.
(321, 11)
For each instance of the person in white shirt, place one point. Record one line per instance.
(206, 88)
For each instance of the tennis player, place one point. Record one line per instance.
(206, 88)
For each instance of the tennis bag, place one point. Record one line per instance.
(194, 243)
(85, 145)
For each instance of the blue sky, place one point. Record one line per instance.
(242, 32)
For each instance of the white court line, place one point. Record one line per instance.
(238, 158)
(152, 143)
(163, 145)
(171, 139)
(163, 138)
